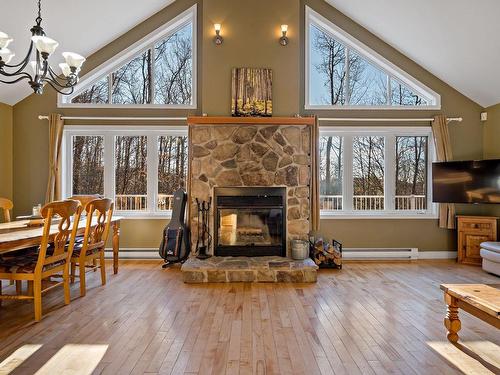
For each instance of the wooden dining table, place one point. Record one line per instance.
(17, 235)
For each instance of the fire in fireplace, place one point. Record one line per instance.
(250, 221)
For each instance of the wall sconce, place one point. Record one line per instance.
(284, 38)
(217, 39)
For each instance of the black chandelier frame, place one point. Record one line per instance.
(44, 73)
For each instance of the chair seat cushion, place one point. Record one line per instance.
(77, 249)
(25, 264)
(492, 246)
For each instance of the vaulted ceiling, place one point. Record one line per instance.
(456, 40)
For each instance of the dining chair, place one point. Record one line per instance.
(6, 205)
(84, 199)
(99, 213)
(52, 258)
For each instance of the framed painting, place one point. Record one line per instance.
(251, 92)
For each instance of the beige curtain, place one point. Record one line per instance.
(443, 152)
(315, 176)
(56, 125)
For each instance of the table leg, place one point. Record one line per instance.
(116, 245)
(452, 322)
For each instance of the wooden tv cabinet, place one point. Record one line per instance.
(472, 230)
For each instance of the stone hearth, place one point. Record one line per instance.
(249, 269)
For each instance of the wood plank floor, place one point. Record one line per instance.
(369, 318)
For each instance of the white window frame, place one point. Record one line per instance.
(389, 134)
(393, 71)
(109, 132)
(142, 45)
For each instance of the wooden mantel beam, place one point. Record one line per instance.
(206, 120)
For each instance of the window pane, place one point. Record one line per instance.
(98, 93)
(367, 83)
(368, 173)
(326, 69)
(88, 165)
(402, 95)
(330, 172)
(172, 168)
(173, 68)
(130, 173)
(411, 173)
(131, 83)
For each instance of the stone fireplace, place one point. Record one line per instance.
(257, 173)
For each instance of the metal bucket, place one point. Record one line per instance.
(300, 249)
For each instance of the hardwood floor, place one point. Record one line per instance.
(369, 318)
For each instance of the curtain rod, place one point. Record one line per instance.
(42, 117)
(360, 119)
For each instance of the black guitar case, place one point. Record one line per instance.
(175, 245)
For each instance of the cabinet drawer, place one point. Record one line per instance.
(468, 226)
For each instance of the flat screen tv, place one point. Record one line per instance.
(472, 181)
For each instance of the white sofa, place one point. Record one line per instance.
(490, 252)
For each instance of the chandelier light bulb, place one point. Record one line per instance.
(73, 59)
(44, 44)
(66, 70)
(4, 40)
(6, 55)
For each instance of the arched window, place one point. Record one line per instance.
(157, 71)
(343, 72)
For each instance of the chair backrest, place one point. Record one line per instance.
(6, 205)
(99, 214)
(85, 199)
(68, 212)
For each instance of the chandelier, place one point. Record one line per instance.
(40, 71)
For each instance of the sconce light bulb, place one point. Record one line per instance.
(217, 27)
(284, 29)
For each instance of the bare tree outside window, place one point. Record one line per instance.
(339, 75)
(330, 172)
(98, 93)
(88, 165)
(172, 168)
(131, 172)
(368, 173)
(173, 67)
(131, 84)
(411, 173)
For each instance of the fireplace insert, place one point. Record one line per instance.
(250, 221)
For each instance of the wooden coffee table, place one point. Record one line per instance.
(480, 300)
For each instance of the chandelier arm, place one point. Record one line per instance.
(25, 76)
(23, 62)
(51, 83)
(56, 77)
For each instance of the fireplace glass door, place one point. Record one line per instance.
(250, 227)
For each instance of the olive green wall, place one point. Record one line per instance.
(251, 30)
(6, 183)
(491, 129)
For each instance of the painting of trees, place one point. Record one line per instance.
(251, 92)
(88, 165)
(340, 75)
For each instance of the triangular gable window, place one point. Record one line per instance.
(343, 72)
(156, 71)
